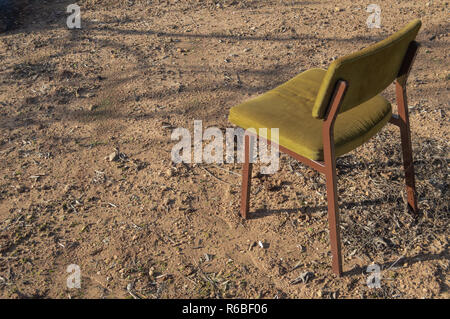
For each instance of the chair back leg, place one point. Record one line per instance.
(246, 178)
(405, 134)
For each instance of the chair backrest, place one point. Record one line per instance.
(368, 72)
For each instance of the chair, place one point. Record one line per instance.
(322, 114)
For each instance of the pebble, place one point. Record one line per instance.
(114, 156)
(170, 172)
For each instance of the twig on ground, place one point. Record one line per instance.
(225, 170)
(209, 173)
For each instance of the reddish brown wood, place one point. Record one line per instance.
(405, 134)
(330, 175)
(318, 166)
(246, 178)
(403, 123)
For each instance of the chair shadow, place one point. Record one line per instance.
(444, 255)
(261, 213)
(358, 270)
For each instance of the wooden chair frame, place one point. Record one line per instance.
(328, 165)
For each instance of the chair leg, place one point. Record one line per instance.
(333, 210)
(333, 222)
(329, 159)
(246, 179)
(405, 134)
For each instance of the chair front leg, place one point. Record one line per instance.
(333, 209)
(405, 134)
(246, 179)
(329, 159)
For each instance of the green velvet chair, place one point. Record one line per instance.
(322, 114)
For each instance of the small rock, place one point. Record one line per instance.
(114, 156)
(263, 244)
(170, 172)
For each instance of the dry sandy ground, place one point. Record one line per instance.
(136, 70)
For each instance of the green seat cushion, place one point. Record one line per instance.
(289, 108)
